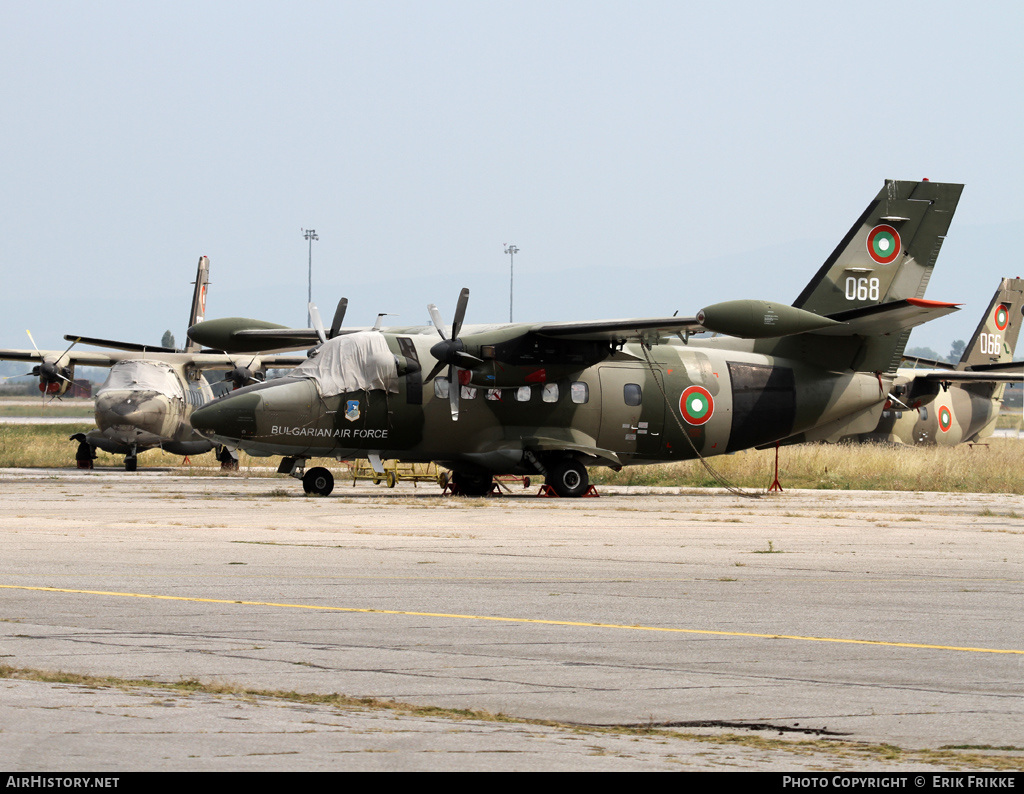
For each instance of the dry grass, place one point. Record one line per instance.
(990, 468)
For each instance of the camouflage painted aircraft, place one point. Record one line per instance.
(555, 398)
(150, 392)
(948, 404)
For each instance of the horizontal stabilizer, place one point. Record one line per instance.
(886, 318)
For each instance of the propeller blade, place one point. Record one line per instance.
(460, 312)
(318, 324)
(33, 341)
(435, 317)
(339, 316)
(434, 372)
(453, 392)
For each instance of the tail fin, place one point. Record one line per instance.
(889, 253)
(886, 257)
(198, 313)
(996, 337)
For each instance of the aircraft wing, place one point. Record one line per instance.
(243, 335)
(746, 319)
(228, 361)
(129, 346)
(77, 357)
(1007, 372)
(614, 330)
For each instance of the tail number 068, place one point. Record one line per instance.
(861, 289)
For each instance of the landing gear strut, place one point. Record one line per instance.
(228, 458)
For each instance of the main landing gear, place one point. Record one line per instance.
(464, 484)
(318, 481)
(568, 478)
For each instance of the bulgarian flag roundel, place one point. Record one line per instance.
(883, 244)
(696, 405)
(1002, 317)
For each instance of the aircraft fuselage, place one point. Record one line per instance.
(701, 397)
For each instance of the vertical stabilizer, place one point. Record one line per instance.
(198, 313)
(996, 337)
(889, 253)
(886, 257)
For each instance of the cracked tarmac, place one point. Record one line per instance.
(866, 616)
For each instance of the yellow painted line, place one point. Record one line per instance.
(536, 621)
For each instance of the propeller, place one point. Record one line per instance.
(242, 375)
(318, 324)
(48, 372)
(339, 316)
(451, 350)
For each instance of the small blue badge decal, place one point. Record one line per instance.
(352, 410)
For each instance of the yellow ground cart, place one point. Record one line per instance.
(395, 472)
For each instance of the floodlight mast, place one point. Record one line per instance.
(310, 235)
(511, 250)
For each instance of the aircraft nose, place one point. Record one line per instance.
(144, 411)
(230, 418)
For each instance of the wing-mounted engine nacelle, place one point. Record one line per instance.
(510, 359)
(54, 379)
(406, 366)
(246, 372)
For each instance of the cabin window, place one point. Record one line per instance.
(632, 394)
(523, 394)
(550, 393)
(468, 393)
(924, 412)
(441, 388)
(494, 394)
(580, 392)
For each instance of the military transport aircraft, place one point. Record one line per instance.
(946, 404)
(555, 398)
(150, 392)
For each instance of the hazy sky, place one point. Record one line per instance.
(683, 153)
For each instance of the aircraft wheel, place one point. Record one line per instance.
(569, 478)
(473, 484)
(318, 480)
(131, 463)
(442, 479)
(391, 479)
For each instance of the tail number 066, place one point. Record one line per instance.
(861, 289)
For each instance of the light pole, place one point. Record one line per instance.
(310, 235)
(511, 250)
